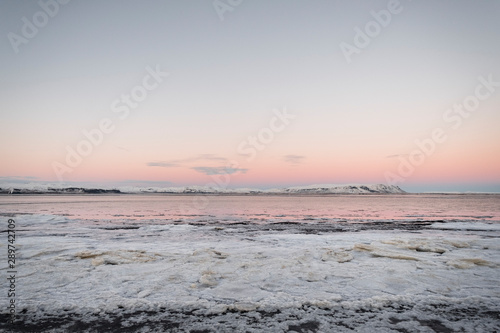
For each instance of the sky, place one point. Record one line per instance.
(256, 94)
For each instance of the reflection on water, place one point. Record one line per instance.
(259, 209)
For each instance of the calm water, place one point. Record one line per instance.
(266, 263)
(259, 209)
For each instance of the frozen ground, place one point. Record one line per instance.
(84, 275)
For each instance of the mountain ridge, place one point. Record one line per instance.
(308, 189)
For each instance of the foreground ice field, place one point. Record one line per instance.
(81, 275)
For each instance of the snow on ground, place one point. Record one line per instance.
(78, 275)
(467, 226)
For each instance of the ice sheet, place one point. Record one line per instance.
(221, 277)
(467, 226)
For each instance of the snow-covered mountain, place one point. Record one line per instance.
(311, 189)
(342, 189)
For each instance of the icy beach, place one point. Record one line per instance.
(247, 264)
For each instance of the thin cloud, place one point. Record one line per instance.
(209, 171)
(162, 164)
(144, 183)
(186, 161)
(18, 178)
(122, 148)
(209, 157)
(293, 159)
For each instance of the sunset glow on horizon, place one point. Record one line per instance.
(171, 94)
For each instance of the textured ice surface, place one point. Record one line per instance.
(467, 226)
(74, 275)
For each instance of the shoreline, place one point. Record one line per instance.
(111, 193)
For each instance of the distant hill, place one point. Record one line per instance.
(62, 190)
(343, 189)
(311, 189)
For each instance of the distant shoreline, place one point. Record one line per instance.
(308, 190)
(119, 193)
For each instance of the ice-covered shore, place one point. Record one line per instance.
(147, 276)
(60, 188)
